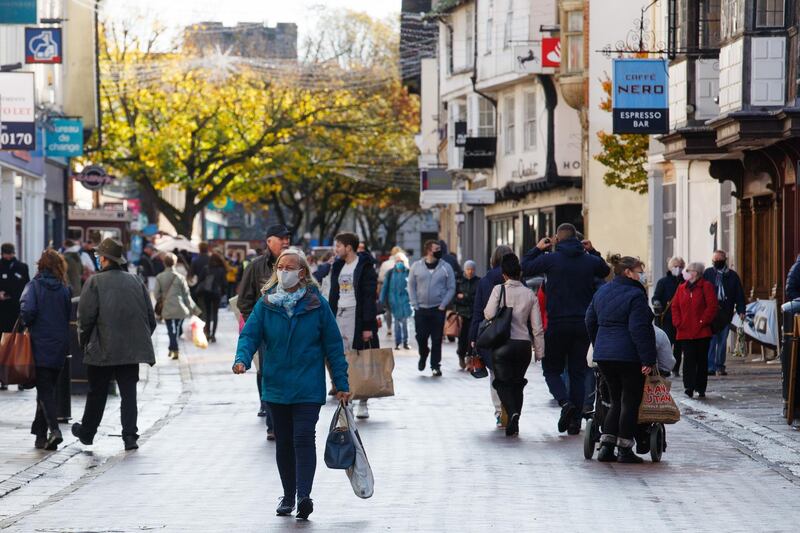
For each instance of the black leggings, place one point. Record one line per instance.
(510, 362)
(46, 379)
(695, 364)
(625, 384)
(463, 337)
(211, 308)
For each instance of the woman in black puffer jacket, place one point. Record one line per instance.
(620, 325)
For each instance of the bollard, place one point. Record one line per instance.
(789, 358)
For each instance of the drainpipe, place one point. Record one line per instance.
(550, 102)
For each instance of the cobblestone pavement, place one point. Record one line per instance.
(439, 465)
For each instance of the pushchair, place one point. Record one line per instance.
(650, 438)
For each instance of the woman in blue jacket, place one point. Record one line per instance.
(45, 309)
(620, 326)
(299, 333)
(394, 293)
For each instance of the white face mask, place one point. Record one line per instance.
(288, 278)
(687, 276)
(676, 271)
(642, 278)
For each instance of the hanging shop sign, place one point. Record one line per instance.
(461, 133)
(66, 138)
(551, 52)
(640, 100)
(435, 179)
(93, 177)
(43, 45)
(17, 111)
(18, 12)
(480, 152)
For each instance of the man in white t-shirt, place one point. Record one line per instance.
(353, 295)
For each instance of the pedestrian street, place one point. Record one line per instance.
(438, 461)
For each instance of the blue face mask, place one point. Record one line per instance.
(400, 267)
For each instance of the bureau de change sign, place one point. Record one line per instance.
(639, 99)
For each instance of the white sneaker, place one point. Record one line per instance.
(361, 410)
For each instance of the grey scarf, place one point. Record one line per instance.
(719, 284)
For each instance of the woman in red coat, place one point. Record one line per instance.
(693, 310)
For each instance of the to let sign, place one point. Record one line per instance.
(17, 111)
(66, 138)
(639, 100)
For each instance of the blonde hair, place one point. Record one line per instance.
(676, 261)
(307, 280)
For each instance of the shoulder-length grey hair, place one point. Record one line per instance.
(307, 280)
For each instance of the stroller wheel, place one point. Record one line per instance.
(588, 439)
(656, 442)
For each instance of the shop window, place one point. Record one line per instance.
(501, 231)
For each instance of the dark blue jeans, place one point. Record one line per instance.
(295, 449)
(173, 326)
(566, 345)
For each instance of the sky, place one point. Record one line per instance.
(179, 13)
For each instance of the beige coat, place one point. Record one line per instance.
(526, 311)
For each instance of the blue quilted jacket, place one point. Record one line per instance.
(620, 323)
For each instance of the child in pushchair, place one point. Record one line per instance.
(650, 438)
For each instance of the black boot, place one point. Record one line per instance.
(130, 442)
(606, 453)
(568, 412)
(304, 508)
(54, 440)
(285, 507)
(626, 455)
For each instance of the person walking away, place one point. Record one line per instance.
(115, 323)
(196, 272)
(466, 287)
(14, 275)
(662, 303)
(793, 281)
(79, 266)
(354, 283)
(384, 269)
(730, 299)
(231, 273)
(299, 335)
(210, 291)
(620, 326)
(431, 287)
(492, 278)
(255, 275)
(510, 361)
(394, 294)
(693, 310)
(173, 290)
(150, 266)
(571, 270)
(45, 309)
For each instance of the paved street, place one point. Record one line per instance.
(439, 464)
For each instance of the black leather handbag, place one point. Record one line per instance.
(496, 332)
(340, 451)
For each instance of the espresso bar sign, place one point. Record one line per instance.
(640, 102)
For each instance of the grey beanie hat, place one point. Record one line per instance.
(470, 264)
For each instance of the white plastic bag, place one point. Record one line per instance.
(198, 335)
(360, 474)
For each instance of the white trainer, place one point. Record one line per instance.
(361, 410)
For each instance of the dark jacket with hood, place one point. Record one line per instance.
(451, 260)
(254, 278)
(663, 294)
(571, 278)
(620, 323)
(482, 293)
(793, 281)
(116, 319)
(468, 288)
(734, 301)
(13, 278)
(365, 285)
(45, 308)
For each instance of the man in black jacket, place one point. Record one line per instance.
(254, 278)
(354, 286)
(571, 272)
(730, 296)
(13, 278)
